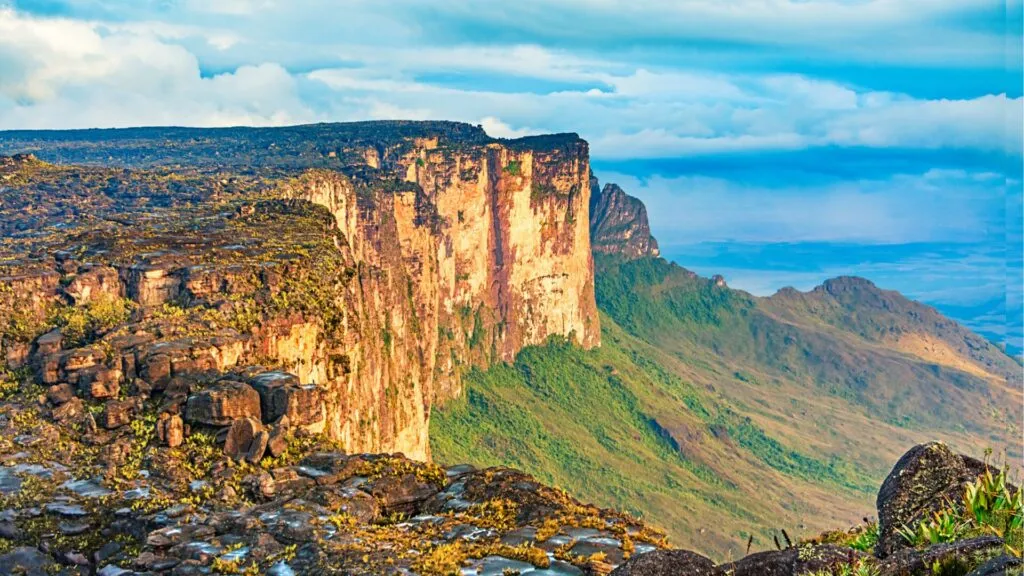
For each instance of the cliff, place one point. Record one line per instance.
(375, 262)
(619, 223)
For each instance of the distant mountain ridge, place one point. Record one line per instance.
(707, 402)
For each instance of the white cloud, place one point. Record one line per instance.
(75, 73)
(62, 73)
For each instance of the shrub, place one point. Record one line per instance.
(987, 506)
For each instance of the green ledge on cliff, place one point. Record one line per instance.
(239, 351)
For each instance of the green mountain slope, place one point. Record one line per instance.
(720, 416)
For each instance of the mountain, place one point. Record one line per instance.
(618, 223)
(761, 413)
(208, 337)
(372, 260)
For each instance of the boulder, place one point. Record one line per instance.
(170, 430)
(401, 494)
(156, 369)
(958, 557)
(800, 560)
(241, 436)
(923, 481)
(69, 411)
(281, 395)
(668, 563)
(27, 561)
(351, 502)
(278, 441)
(222, 405)
(116, 414)
(99, 382)
(59, 394)
(49, 344)
(258, 447)
(999, 566)
(15, 353)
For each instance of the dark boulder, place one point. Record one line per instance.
(1000, 566)
(281, 395)
(401, 494)
(28, 562)
(222, 405)
(668, 563)
(170, 430)
(116, 413)
(923, 481)
(241, 436)
(958, 557)
(793, 561)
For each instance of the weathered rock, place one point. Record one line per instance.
(1000, 566)
(223, 404)
(798, 561)
(99, 382)
(170, 430)
(278, 441)
(16, 354)
(353, 503)
(240, 437)
(280, 395)
(401, 494)
(668, 563)
(964, 555)
(60, 393)
(257, 447)
(26, 561)
(922, 482)
(69, 411)
(156, 369)
(116, 414)
(49, 344)
(98, 282)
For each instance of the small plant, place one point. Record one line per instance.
(857, 568)
(513, 168)
(946, 525)
(987, 507)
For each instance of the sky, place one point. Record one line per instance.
(874, 136)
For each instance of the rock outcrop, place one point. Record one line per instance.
(618, 223)
(375, 271)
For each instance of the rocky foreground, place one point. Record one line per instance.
(93, 492)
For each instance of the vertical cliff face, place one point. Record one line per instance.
(485, 252)
(619, 223)
(375, 262)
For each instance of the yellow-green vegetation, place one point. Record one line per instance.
(704, 402)
(859, 568)
(988, 506)
(425, 472)
(448, 559)
(862, 538)
(143, 431)
(9, 383)
(80, 325)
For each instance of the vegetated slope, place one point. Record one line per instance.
(719, 415)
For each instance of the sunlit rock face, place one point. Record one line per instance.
(374, 261)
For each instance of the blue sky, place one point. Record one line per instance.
(741, 123)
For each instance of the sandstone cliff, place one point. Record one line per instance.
(375, 269)
(619, 223)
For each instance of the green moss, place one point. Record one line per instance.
(513, 168)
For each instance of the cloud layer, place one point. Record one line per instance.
(86, 63)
